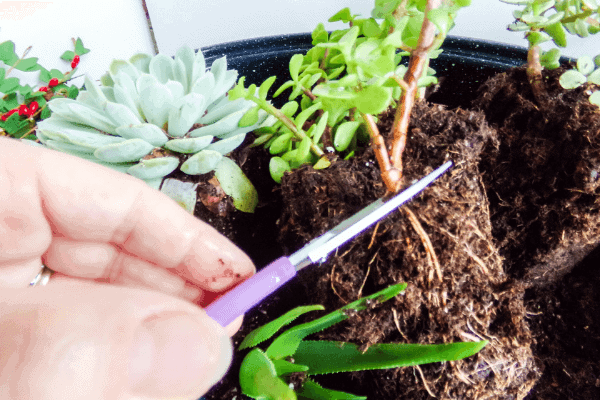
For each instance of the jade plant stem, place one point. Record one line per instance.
(298, 132)
(392, 175)
(534, 71)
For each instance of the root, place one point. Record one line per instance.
(426, 242)
(418, 368)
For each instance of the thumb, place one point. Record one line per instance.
(81, 340)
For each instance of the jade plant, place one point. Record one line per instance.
(22, 106)
(283, 370)
(341, 85)
(153, 115)
(551, 20)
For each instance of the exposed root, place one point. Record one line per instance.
(418, 368)
(426, 242)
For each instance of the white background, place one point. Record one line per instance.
(118, 29)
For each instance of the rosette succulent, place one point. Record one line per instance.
(152, 115)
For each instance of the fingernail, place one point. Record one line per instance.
(177, 355)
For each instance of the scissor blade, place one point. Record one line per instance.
(319, 248)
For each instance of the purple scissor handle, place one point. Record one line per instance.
(250, 292)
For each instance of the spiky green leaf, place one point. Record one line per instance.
(258, 378)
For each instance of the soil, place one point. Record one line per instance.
(510, 225)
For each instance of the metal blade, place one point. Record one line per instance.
(319, 248)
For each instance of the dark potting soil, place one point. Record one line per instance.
(543, 186)
(502, 274)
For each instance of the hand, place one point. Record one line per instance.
(121, 318)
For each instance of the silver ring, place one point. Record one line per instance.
(42, 278)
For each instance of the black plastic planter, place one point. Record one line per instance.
(464, 64)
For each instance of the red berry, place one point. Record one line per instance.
(24, 110)
(76, 59)
(4, 117)
(43, 89)
(75, 62)
(8, 114)
(33, 107)
(53, 82)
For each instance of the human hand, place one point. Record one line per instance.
(120, 318)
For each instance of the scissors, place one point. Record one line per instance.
(246, 295)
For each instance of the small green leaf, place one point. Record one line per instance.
(558, 34)
(290, 108)
(187, 145)
(537, 37)
(370, 28)
(373, 100)
(277, 167)
(154, 168)
(283, 87)
(572, 79)
(79, 48)
(320, 128)
(249, 118)
(595, 98)
(237, 185)
(281, 144)
(551, 59)
(183, 193)
(45, 113)
(319, 35)
(67, 55)
(344, 134)
(594, 77)
(343, 15)
(265, 332)
(322, 163)
(258, 378)
(264, 88)
(72, 92)
(7, 53)
(441, 19)
(295, 64)
(585, 65)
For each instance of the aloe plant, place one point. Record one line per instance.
(152, 115)
(263, 374)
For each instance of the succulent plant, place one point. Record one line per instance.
(152, 113)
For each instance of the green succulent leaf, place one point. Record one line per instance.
(595, 98)
(235, 184)
(287, 343)
(258, 379)
(594, 77)
(278, 167)
(290, 108)
(184, 193)
(154, 168)
(126, 151)
(572, 79)
(322, 163)
(226, 146)
(551, 59)
(343, 15)
(558, 34)
(250, 118)
(202, 162)
(324, 357)
(266, 331)
(188, 145)
(585, 65)
(281, 144)
(312, 390)
(263, 90)
(295, 65)
(148, 132)
(80, 48)
(373, 100)
(344, 134)
(537, 37)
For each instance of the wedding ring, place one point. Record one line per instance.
(42, 278)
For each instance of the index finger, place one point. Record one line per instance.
(86, 202)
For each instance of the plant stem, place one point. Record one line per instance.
(534, 73)
(18, 61)
(298, 132)
(389, 174)
(416, 66)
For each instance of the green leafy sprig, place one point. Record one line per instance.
(21, 106)
(348, 78)
(264, 374)
(551, 20)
